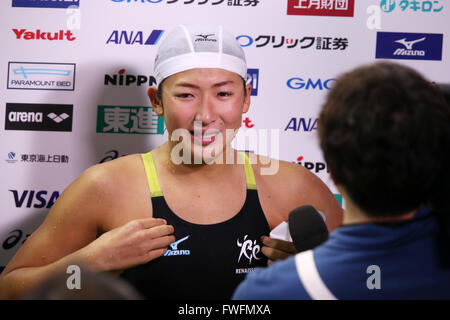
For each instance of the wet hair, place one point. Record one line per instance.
(385, 134)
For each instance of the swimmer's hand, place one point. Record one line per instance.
(136, 242)
(275, 249)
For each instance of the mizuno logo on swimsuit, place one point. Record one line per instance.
(175, 251)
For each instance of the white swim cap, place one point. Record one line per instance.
(198, 46)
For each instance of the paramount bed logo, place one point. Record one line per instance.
(41, 76)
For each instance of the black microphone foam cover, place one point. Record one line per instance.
(307, 228)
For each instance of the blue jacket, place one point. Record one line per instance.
(360, 261)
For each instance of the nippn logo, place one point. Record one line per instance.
(249, 249)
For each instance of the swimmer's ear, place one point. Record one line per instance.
(156, 102)
(248, 92)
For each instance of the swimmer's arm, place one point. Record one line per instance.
(69, 236)
(57, 243)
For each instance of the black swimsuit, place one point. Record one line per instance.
(205, 261)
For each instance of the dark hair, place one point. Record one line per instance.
(385, 134)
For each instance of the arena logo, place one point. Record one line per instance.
(41, 76)
(297, 83)
(61, 35)
(38, 117)
(134, 37)
(129, 120)
(302, 124)
(332, 8)
(36, 199)
(45, 3)
(409, 46)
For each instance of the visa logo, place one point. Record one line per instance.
(409, 46)
(35, 199)
(134, 37)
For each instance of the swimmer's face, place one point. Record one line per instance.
(212, 98)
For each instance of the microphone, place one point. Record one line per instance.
(307, 228)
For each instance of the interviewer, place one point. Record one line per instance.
(385, 134)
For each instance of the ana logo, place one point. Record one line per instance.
(38, 117)
(41, 76)
(253, 79)
(122, 79)
(205, 37)
(298, 83)
(129, 120)
(249, 249)
(45, 3)
(134, 37)
(334, 8)
(174, 251)
(302, 124)
(410, 46)
(39, 35)
(37, 199)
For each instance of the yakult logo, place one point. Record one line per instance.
(249, 249)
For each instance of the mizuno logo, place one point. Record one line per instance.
(174, 245)
(175, 251)
(409, 44)
(205, 37)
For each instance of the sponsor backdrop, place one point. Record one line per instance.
(74, 76)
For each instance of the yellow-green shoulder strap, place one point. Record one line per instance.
(249, 175)
(152, 177)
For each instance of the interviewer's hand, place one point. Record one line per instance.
(275, 249)
(134, 243)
